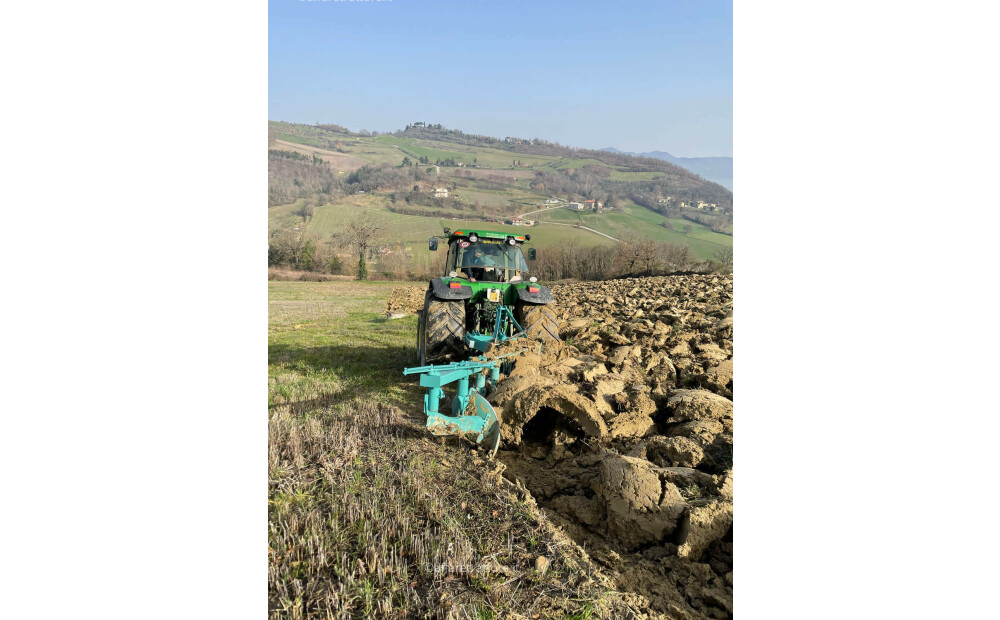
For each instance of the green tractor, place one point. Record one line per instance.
(485, 297)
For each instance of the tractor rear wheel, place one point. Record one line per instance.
(538, 320)
(441, 330)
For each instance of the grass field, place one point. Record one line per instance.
(367, 515)
(566, 162)
(416, 229)
(618, 175)
(643, 222)
(486, 157)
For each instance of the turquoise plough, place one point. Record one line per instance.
(483, 426)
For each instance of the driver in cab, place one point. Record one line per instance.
(477, 269)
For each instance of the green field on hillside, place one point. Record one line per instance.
(553, 228)
(566, 162)
(645, 223)
(485, 157)
(413, 231)
(618, 175)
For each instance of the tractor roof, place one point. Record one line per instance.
(487, 234)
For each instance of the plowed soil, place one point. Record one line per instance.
(405, 300)
(623, 434)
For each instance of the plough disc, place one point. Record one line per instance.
(489, 438)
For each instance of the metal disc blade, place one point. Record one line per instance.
(490, 437)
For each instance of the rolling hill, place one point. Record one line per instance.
(716, 169)
(342, 174)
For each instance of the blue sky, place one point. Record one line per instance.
(638, 76)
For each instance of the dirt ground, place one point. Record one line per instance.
(623, 434)
(405, 300)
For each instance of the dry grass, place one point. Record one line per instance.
(371, 517)
(293, 275)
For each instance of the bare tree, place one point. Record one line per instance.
(725, 258)
(362, 234)
(648, 255)
(628, 253)
(677, 257)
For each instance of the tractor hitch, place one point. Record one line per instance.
(484, 342)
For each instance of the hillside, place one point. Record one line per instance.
(322, 176)
(716, 169)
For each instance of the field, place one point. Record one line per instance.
(371, 517)
(645, 223)
(476, 189)
(486, 157)
(553, 228)
(414, 230)
(337, 161)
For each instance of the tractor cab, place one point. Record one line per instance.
(486, 257)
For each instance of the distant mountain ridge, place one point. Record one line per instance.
(716, 169)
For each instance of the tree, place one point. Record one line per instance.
(290, 247)
(406, 162)
(677, 257)
(725, 258)
(687, 229)
(362, 234)
(307, 255)
(648, 254)
(628, 252)
(668, 224)
(334, 264)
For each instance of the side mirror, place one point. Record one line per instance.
(432, 244)
(532, 255)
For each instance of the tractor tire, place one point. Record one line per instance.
(538, 320)
(441, 331)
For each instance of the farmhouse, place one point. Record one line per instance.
(552, 201)
(517, 222)
(576, 205)
(440, 192)
(592, 204)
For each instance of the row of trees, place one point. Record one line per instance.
(366, 237)
(295, 248)
(632, 256)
